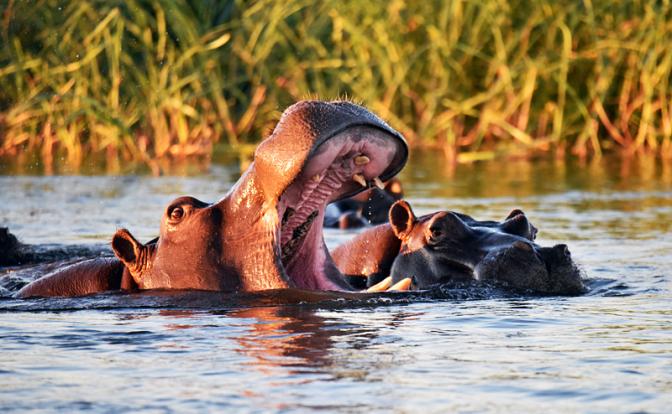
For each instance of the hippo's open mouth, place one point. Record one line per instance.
(343, 165)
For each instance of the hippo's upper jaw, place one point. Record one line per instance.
(318, 153)
(338, 167)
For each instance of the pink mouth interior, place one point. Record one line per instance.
(325, 178)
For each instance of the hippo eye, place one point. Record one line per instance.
(436, 233)
(176, 214)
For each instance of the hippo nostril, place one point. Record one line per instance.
(521, 245)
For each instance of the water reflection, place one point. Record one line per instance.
(269, 337)
(302, 340)
(293, 337)
(608, 351)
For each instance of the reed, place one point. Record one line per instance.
(145, 80)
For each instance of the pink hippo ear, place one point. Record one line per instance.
(127, 248)
(402, 219)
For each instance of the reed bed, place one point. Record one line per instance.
(148, 80)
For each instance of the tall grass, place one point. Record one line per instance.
(145, 80)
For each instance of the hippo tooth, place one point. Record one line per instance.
(402, 285)
(359, 178)
(317, 178)
(379, 183)
(361, 160)
(381, 286)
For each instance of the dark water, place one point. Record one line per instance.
(608, 351)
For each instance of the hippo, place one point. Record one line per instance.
(11, 250)
(367, 208)
(15, 253)
(266, 232)
(448, 247)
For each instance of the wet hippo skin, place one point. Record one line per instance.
(447, 247)
(266, 233)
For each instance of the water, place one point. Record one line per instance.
(608, 351)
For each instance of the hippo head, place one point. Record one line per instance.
(451, 247)
(266, 233)
(186, 255)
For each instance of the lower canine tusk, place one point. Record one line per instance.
(359, 178)
(381, 286)
(401, 286)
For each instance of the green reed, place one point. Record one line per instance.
(146, 80)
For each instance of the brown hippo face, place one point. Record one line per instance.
(185, 255)
(266, 233)
(447, 247)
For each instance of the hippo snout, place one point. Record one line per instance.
(528, 267)
(564, 276)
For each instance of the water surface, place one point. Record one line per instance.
(608, 351)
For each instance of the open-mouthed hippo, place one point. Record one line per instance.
(447, 247)
(266, 233)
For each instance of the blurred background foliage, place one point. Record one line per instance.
(140, 81)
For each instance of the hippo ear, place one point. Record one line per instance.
(519, 225)
(515, 212)
(126, 247)
(402, 219)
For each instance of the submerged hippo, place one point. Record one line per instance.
(364, 209)
(266, 233)
(449, 247)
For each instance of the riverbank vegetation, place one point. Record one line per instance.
(135, 80)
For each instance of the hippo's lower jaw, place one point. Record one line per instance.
(351, 160)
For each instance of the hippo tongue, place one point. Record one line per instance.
(337, 167)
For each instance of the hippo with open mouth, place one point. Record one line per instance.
(266, 233)
(448, 247)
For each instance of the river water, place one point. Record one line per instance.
(605, 352)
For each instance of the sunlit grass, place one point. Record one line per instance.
(145, 80)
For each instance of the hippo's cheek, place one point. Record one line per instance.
(427, 270)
